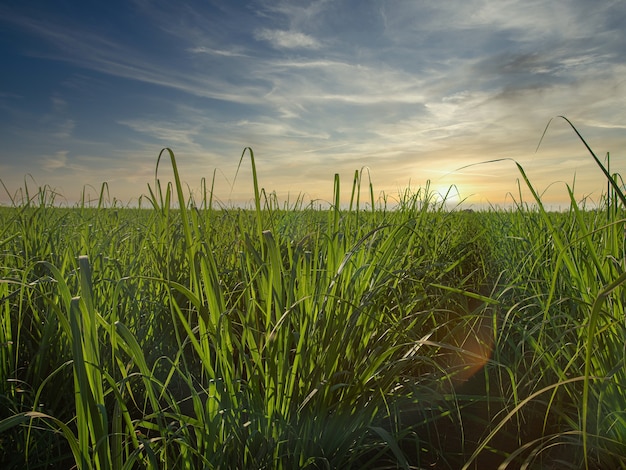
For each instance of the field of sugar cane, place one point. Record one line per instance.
(373, 335)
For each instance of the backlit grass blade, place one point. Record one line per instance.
(589, 343)
(618, 191)
(495, 429)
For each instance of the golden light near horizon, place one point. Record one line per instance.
(446, 194)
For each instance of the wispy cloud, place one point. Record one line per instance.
(89, 50)
(167, 133)
(216, 52)
(55, 162)
(281, 39)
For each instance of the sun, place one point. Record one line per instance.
(446, 193)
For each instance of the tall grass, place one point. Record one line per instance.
(194, 336)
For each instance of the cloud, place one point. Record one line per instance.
(281, 39)
(166, 132)
(58, 104)
(90, 50)
(216, 52)
(64, 129)
(57, 161)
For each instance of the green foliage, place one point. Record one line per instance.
(189, 336)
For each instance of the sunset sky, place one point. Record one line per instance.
(91, 91)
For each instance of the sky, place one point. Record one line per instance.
(408, 93)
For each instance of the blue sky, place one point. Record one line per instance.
(413, 90)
